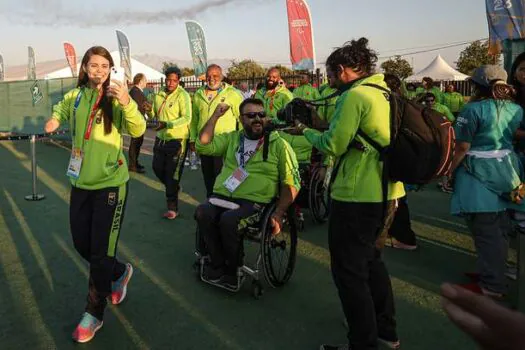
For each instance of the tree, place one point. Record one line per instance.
(475, 55)
(397, 66)
(245, 69)
(167, 64)
(285, 71)
(188, 72)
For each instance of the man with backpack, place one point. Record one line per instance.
(359, 218)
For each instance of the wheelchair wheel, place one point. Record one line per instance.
(318, 200)
(279, 251)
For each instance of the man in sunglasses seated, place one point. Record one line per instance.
(248, 181)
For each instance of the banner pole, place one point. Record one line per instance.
(34, 196)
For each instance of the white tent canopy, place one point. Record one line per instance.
(136, 67)
(438, 70)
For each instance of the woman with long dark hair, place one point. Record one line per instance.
(97, 111)
(517, 78)
(487, 174)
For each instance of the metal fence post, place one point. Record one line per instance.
(34, 196)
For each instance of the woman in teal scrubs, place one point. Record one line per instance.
(488, 174)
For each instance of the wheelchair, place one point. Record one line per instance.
(314, 190)
(275, 259)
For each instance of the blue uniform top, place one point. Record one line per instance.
(480, 181)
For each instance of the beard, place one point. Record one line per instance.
(270, 85)
(213, 87)
(254, 132)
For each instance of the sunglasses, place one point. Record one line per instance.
(429, 101)
(252, 115)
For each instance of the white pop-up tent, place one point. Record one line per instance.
(438, 70)
(136, 67)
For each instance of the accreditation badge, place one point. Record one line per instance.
(75, 163)
(236, 179)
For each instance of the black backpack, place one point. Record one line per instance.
(422, 141)
(421, 147)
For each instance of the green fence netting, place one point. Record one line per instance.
(26, 105)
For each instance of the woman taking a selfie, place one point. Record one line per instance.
(97, 111)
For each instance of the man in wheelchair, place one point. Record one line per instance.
(258, 167)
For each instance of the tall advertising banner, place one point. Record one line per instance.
(71, 58)
(2, 74)
(506, 20)
(125, 55)
(197, 47)
(31, 64)
(302, 53)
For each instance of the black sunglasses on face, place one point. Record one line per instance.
(430, 101)
(252, 115)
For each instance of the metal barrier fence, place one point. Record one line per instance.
(191, 84)
(34, 196)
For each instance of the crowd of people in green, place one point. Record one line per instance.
(246, 164)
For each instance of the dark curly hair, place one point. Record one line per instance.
(173, 70)
(498, 90)
(355, 55)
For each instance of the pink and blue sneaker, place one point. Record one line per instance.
(120, 286)
(86, 329)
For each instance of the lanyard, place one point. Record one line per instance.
(87, 133)
(162, 106)
(243, 161)
(272, 95)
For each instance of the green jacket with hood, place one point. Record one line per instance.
(104, 164)
(306, 92)
(175, 110)
(265, 177)
(274, 100)
(203, 110)
(359, 176)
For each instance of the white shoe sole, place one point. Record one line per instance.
(93, 336)
(125, 291)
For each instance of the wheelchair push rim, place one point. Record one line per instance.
(318, 200)
(279, 251)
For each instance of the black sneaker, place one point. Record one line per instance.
(213, 275)
(335, 347)
(230, 281)
(140, 166)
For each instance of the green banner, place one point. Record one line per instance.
(197, 47)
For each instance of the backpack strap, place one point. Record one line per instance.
(266, 146)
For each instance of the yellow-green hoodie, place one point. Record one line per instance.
(203, 110)
(359, 176)
(175, 110)
(306, 92)
(274, 100)
(104, 164)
